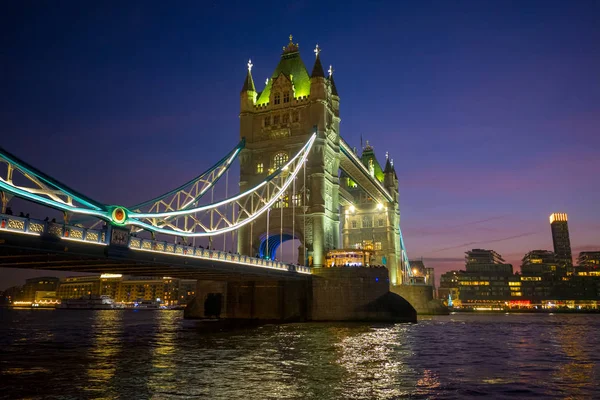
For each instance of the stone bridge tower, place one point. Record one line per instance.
(276, 122)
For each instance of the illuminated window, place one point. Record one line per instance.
(267, 121)
(277, 98)
(259, 168)
(275, 119)
(285, 118)
(377, 245)
(354, 224)
(296, 200)
(367, 221)
(514, 283)
(286, 97)
(368, 244)
(380, 222)
(279, 160)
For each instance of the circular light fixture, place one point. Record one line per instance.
(119, 215)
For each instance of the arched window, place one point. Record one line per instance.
(277, 98)
(279, 160)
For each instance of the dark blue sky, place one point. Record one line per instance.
(491, 110)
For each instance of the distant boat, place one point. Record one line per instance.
(145, 305)
(89, 303)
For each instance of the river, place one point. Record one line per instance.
(77, 354)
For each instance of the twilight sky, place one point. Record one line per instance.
(491, 110)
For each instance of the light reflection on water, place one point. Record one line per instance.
(156, 354)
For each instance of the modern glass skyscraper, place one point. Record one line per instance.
(560, 239)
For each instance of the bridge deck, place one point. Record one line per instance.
(34, 244)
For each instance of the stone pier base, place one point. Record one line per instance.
(329, 294)
(269, 300)
(421, 298)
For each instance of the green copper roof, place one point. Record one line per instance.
(292, 66)
(367, 155)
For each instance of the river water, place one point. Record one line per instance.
(75, 354)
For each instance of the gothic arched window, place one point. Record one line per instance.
(279, 160)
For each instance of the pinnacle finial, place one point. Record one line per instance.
(392, 162)
(387, 155)
(330, 70)
(267, 81)
(250, 65)
(317, 50)
(291, 37)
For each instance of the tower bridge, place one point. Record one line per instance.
(298, 180)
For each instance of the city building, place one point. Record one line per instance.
(560, 239)
(449, 291)
(129, 289)
(538, 262)
(75, 287)
(590, 259)
(487, 281)
(40, 284)
(422, 274)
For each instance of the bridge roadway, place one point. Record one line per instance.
(36, 244)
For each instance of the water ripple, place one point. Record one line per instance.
(158, 355)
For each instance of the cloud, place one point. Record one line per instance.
(427, 231)
(485, 242)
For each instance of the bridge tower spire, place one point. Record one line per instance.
(248, 93)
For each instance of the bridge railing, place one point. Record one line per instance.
(36, 227)
(158, 246)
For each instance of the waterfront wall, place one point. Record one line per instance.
(421, 298)
(330, 294)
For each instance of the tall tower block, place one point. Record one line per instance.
(560, 239)
(276, 122)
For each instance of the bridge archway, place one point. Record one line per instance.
(275, 242)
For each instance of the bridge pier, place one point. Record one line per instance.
(421, 298)
(330, 294)
(268, 300)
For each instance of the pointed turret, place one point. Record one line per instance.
(317, 78)
(390, 180)
(332, 82)
(318, 67)
(335, 97)
(248, 93)
(248, 83)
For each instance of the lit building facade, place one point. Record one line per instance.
(369, 225)
(488, 280)
(40, 284)
(349, 258)
(589, 259)
(449, 289)
(129, 289)
(560, 239)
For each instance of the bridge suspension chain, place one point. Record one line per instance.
(221, 217)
